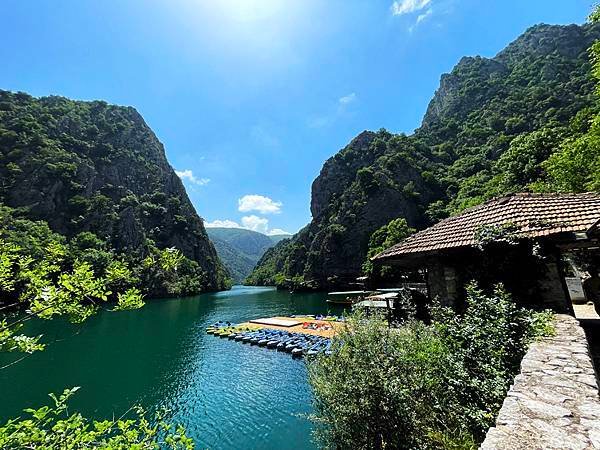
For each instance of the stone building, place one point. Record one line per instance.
(519, 240)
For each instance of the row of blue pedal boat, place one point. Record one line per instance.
(298, 344)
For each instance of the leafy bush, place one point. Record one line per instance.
(383, 238)
(56, 277)
(52, 427)
(422, 386)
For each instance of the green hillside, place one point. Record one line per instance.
(95, 168)
(240, 249)
(279, 237)
(494, 126)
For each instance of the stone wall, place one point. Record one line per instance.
(554, 402)
(552, 289)
(442, 282)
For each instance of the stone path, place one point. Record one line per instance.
(554, 402)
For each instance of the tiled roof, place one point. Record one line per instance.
(534, 215)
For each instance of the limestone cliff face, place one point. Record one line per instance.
(448, 100)
(542, 79)
(339, 171)
(90, 166)
(360, 189)
(544, 53)
(567, 41)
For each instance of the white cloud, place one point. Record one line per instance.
(188, 175)
(255, 223)
(259, 203)
(425, 15)
(336, 111)
(222, 224)
(277, 231)
(420, 18)
(346, 99)
(401, 7)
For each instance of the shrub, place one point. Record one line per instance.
(422, 386)
(54, 427)
(383, 238)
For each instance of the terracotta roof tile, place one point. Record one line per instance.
(535, 215)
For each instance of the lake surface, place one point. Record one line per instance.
(228, 395)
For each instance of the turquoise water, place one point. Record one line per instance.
(227, 394)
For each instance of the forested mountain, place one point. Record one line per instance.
(240, 249)
(90, 167)
(276, 238)
(491, 128)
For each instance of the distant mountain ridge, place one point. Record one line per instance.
(487, 130)
(240, 249)
(277, 238)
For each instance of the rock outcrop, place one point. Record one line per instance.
(540, 80)
(90, 166)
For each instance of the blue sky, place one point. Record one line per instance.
(250, 97)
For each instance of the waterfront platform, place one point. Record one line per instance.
(333, 327)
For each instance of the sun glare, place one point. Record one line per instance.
(250, 10)
(263, 32)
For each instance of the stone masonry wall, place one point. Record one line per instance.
(554, 402)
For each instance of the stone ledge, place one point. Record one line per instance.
(554, 402)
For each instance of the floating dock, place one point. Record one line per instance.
(324, 328)
(297, 335)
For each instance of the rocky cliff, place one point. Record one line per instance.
(540, 81)
(90, 166)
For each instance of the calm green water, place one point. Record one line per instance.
(228, 395)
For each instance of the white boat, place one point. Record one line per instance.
(347, 297)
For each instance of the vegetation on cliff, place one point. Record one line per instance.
(523, 120)
(441, 385)
(97, 168)
(382, 239)
(95, 215)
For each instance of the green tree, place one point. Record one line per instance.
(576, 166)
(385, 237)
(39, 269)
(167, 272)
(422, 386)
(521, 164)
(53, 427)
